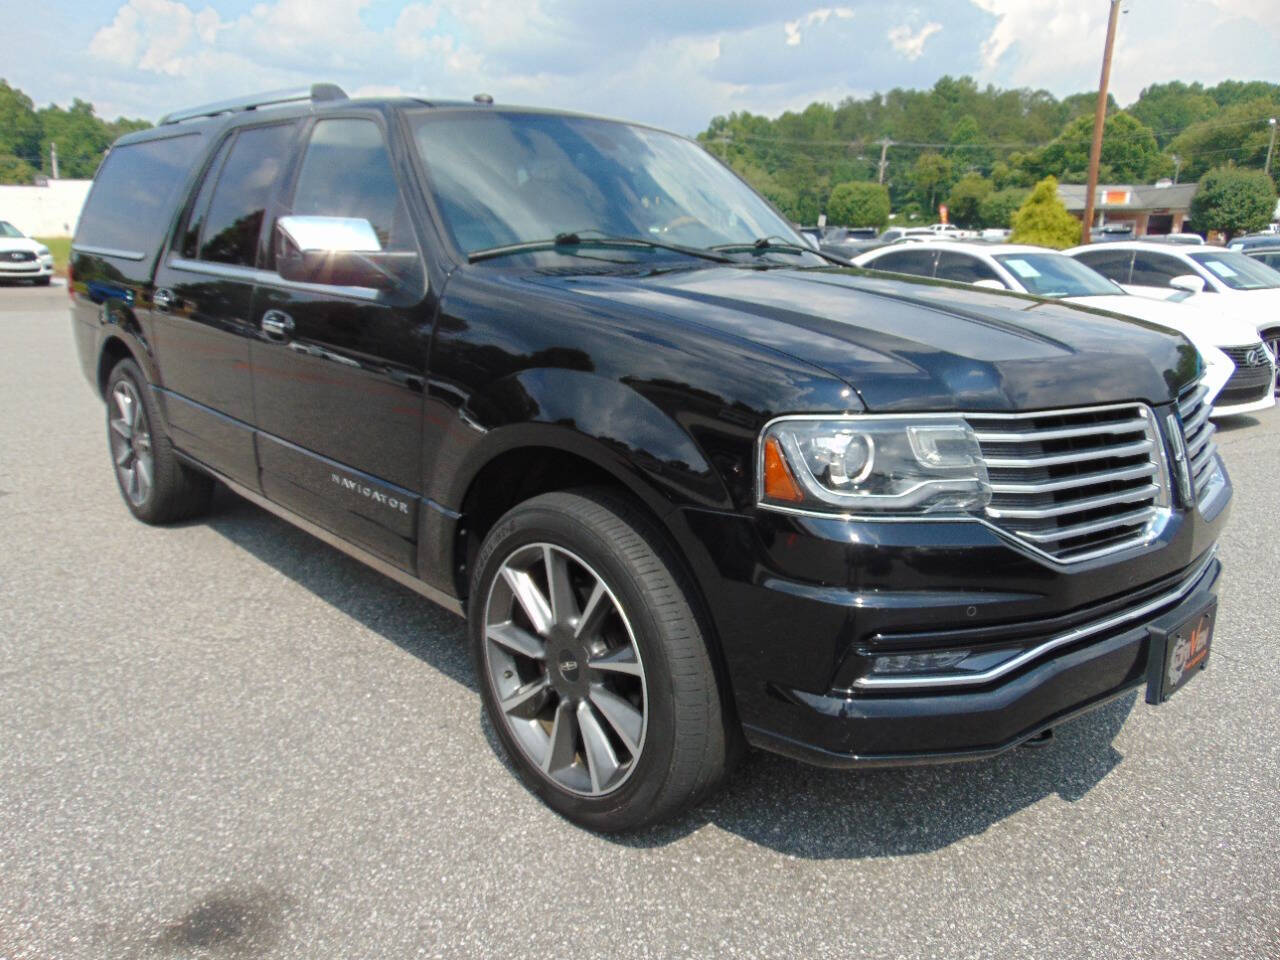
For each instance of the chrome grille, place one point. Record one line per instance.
(1197, 432)
(1073, 483)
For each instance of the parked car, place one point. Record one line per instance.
(1254, 241)
(22, 258)
(1045, 273)
(1111, 232)
(1249, 289)
(848, 242)
(690, 484)
(1190, 239)
(894, 234)
(1270, 256)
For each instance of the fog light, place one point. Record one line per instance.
(918, 662)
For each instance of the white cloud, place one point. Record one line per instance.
(911, 45)
(153, 35)
(820, 16)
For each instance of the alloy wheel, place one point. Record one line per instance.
(130, 435)
(565, 669)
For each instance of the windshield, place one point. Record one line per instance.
(507, 178)
(1238, 271)
(9, 230)
(1056, 275)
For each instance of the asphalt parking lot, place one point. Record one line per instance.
(226, 739)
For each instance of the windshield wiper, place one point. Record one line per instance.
(593, 238)
(780, 245)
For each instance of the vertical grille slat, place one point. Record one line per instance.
(1198, 432)
(1073, 484)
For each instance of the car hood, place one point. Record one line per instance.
(19, 243)
(914, 345)
(1200, 323)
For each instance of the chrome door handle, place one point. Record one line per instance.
(277, 324)
(163, 299)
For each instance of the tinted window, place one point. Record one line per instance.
(1156, 269)
(244, 187)
(1112, 264)
(1272, 260)
(918, 262)
(134, 194)
(190, 241)
(347, 172)
(9, 230)
(963, 268)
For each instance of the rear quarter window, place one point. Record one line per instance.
(134, 195)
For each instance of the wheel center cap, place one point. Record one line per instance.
(570, 666)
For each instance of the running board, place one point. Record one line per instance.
(452, 604)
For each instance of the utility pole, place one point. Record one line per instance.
(1177, 167)
(1099, 121)
(53, 159)
(885, 144)
(1271, 147)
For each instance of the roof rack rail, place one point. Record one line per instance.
(316, 93)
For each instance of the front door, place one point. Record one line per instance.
(203, 312)
(338, 371)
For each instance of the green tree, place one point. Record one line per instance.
(855, 204)
(1233, 201)
(1129, 152)
(1239, 133)
(1043, 220)
(1169, 108)
(997, 209)
(19, 127)
(969, 150)
(15, 169)
(931, 179)
(964, 202)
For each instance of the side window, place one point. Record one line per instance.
(963, 268)
(1112, 264)
(347, 172)
(189, 242)
(1270, 259)
(918, 262)
(1156, 269)
(240, 197)
(131, 204)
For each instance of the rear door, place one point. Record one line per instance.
(911, 259)
(338, 371)
(203, 314)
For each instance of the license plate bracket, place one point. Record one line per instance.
(1179, 651)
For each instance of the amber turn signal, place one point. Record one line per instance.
(779, 484)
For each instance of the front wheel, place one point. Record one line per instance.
(1272, 340)
(593, 667)
(156, 486)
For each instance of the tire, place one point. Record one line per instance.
(568, 672)
(1272, 339)
(157, 487)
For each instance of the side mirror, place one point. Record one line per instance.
(1188, 282)
(336, 251)
(990, 285)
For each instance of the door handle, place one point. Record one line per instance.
(163, 299)
(277, 324)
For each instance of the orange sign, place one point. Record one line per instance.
(942, 212)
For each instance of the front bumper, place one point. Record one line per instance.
(26, 269)
(803, 605)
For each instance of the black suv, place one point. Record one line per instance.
(692, 485)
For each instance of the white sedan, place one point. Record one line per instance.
(22, 258)
(1207, 275)
(1046, 273)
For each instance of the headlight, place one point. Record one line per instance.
(42, 251)
(882, 465)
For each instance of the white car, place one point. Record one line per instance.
(1047, 273)
(1211, 276)
(22, 258)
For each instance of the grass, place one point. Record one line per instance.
(60, 247)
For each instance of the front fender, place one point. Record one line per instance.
(589, 415)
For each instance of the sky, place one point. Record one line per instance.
(671, 63)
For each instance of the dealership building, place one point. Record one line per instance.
(1159, 209)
